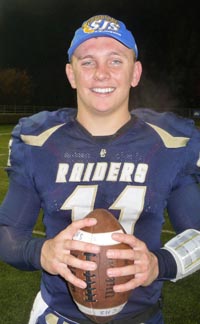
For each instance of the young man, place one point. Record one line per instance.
(135, 165)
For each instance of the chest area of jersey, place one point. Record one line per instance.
(99, 162)
(106, 165)
(126, 178)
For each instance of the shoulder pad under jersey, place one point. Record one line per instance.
(36, 129)
(44, 120)
(168, 121)
(176, 132)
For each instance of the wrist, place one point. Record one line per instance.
(167, 267)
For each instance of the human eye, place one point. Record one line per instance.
(116, 61)
(88, 63)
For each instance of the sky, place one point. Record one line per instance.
(35, 36)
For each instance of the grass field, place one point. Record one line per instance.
(18, 288)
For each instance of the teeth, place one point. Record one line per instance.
(103, 90)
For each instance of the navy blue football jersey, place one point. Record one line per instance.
(68, 173)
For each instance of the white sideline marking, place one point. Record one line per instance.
(168, 232)
(39, 233)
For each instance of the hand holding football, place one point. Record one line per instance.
(98, 300)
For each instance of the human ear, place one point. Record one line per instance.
(137, 72)
(70, 75)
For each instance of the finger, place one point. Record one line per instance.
(137, 257)
(76, 225)
(129, 285)
(122, 271)
(131, 269)
(84, 222)
(128, 254)
(131, 240)
(70, 277)
(74, 262)
(81, 246)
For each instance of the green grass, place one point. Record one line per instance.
(18, 288)
(17, 293)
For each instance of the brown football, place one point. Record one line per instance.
(98, 301)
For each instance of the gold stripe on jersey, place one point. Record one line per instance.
(169, 140)
(53, 319)
(39, 140)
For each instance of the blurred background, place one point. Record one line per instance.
(35, 36)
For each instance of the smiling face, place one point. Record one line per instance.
(102, 71)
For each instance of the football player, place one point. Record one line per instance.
(134, 164)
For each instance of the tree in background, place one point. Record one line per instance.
(16, 87)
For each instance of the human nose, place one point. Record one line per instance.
(101, 72)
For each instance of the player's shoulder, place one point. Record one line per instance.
(42, 121)
(169, 122)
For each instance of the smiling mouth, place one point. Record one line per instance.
(103, 90)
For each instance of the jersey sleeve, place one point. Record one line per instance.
(19, 209)
(193, 154)
(184, 206)
(18, 163)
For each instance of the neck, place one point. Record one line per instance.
(102, 124)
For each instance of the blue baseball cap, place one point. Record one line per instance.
(103, 26)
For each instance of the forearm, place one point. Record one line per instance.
(20, 250)
(18, 215)
(183, 210)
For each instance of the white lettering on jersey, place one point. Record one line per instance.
(88, 172)
(141, 171)
(113, 171)
(102, 171)
(62, 172)
(77, 172)
(127, 172)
